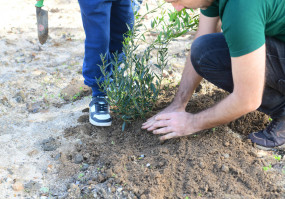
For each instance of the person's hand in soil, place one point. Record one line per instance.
(171, 108)
(172, 125)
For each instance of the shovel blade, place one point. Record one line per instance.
(42, 23)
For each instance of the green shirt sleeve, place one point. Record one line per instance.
(212, 11)
(244, 26)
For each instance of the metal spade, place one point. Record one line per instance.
(42, 22)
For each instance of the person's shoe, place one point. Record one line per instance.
(272, 136)
(99, 113)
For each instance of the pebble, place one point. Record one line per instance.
(161, 164)
(143, 197)
(74, 191)
(84, 167)
(17, 186)
(226, 144)
(226, 155)
(57, 157)
(20, 97)
(202, 165)
(78, 158)
(147, 165)
(5, 101)
(109, 173)
(33, 107)
(33, 152)
(29, 59)
(91, 182)
(49, 144)
(20, 59)
(225, 168)
(32, 186)
(10, 171)
(113, 189)
(101, 178)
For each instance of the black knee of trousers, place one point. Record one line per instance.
(196, 54)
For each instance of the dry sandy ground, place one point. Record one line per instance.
(31, 78)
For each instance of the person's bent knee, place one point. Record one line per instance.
(197, 51)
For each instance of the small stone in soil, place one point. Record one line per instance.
(29, 59)
(84, 167)
(226, 144)
(33, 152)
(109, 173)
(33, 107)
(91, 182)
(113, 189)
(101, 178)
(86, 155)
(17, 186)
(32, 186)
(74, 191)
(143, 197)
(10, 171)
(78, 158)
(57, 157)
(225, 168)
(202, 165)
(226, 155)
(20, 97)
(49, 144)
(5, 101)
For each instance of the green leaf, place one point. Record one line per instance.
(143, 38)
(157, 66)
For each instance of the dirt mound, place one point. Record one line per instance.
(215, 163)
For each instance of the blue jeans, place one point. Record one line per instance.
(211, 59)
(105, 23)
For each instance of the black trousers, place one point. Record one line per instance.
(211, 59)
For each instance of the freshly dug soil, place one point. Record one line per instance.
(215, 163)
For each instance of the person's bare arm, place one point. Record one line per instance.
(248, 76)
(190, 79)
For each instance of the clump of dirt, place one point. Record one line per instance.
(215, 163)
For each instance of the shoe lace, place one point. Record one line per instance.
(102, 106)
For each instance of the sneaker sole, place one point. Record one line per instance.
(99, 124)
(269, 149)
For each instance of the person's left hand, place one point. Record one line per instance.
(172, 125)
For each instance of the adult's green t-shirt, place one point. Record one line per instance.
(246, 23)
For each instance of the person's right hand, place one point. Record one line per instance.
(171, 108)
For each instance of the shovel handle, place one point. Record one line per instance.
(40, 3)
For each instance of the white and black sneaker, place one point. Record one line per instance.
(99, 113)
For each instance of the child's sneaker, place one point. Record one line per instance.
(99, 113)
